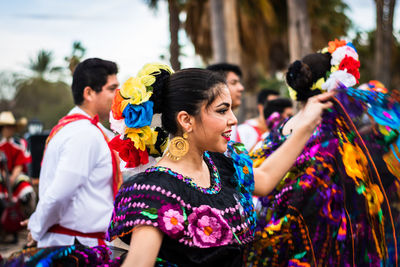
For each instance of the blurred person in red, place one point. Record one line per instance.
(16, 158)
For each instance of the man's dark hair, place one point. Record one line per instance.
(92, 72)
(276, 105)
(224, 68)
(263, 95)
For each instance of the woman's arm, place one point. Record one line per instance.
(145, 244)
(274, 168)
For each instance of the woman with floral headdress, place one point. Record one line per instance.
(194, 207)
(331, 208)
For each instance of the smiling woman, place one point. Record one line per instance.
(194, 206)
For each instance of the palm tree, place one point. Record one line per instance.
(263, 32)
(218, 30)
(78, 52)
(299, 31)
(37, 97)
(174, 8)
(41, 65)
(384, 42)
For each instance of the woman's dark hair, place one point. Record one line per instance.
(92, 72)
(185, 90)
(302, 74)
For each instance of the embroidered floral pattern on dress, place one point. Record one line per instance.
(171, 220)
(215, 179)
(208, 227)
(196, 219)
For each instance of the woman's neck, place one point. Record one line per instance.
(191, 165)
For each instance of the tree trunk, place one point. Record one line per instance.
(230, 15)
(174, 25)
(299, 29)
(384, 40)
(218, 31)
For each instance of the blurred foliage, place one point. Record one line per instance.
(275, 83)
(43, 95)
(328, 21)
(364, 42)
(7, 87)
(41, 99)
(263, 33)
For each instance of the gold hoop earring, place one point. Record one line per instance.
(178, 147)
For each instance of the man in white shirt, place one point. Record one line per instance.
(79, 173)
(254, 130)
(232, 74)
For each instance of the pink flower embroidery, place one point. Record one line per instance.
(170, 220)
(208, 228)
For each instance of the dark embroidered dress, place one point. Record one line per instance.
(201, 226)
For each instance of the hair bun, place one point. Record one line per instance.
(299, 77)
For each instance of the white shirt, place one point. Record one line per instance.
(75, 185)
(248, 135)
(234, 133)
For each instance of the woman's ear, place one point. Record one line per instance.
(185, 121)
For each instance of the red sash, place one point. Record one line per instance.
(117, 178)
(58, 229)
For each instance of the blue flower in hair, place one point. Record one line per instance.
(351, 45)
(138, 116)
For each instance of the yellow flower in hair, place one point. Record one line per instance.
(153, 69)
(324, 50)
(334, 68)
(135, 90)
(318, 84)
(292, 93)
(148, 80)
(140, 136)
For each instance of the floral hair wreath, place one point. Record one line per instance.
(131, 116)
(344, 67)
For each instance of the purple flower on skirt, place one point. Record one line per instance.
(208, 228)
(171, 220)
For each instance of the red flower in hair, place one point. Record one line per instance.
(128, 153)
(116, 105)
(351, 65)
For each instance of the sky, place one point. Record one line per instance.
(124, 31)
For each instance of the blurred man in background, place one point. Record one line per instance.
(232, 74)
(251, 131)
(79, 176)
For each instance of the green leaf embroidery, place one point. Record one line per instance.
(150, 213)
(300, 255)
